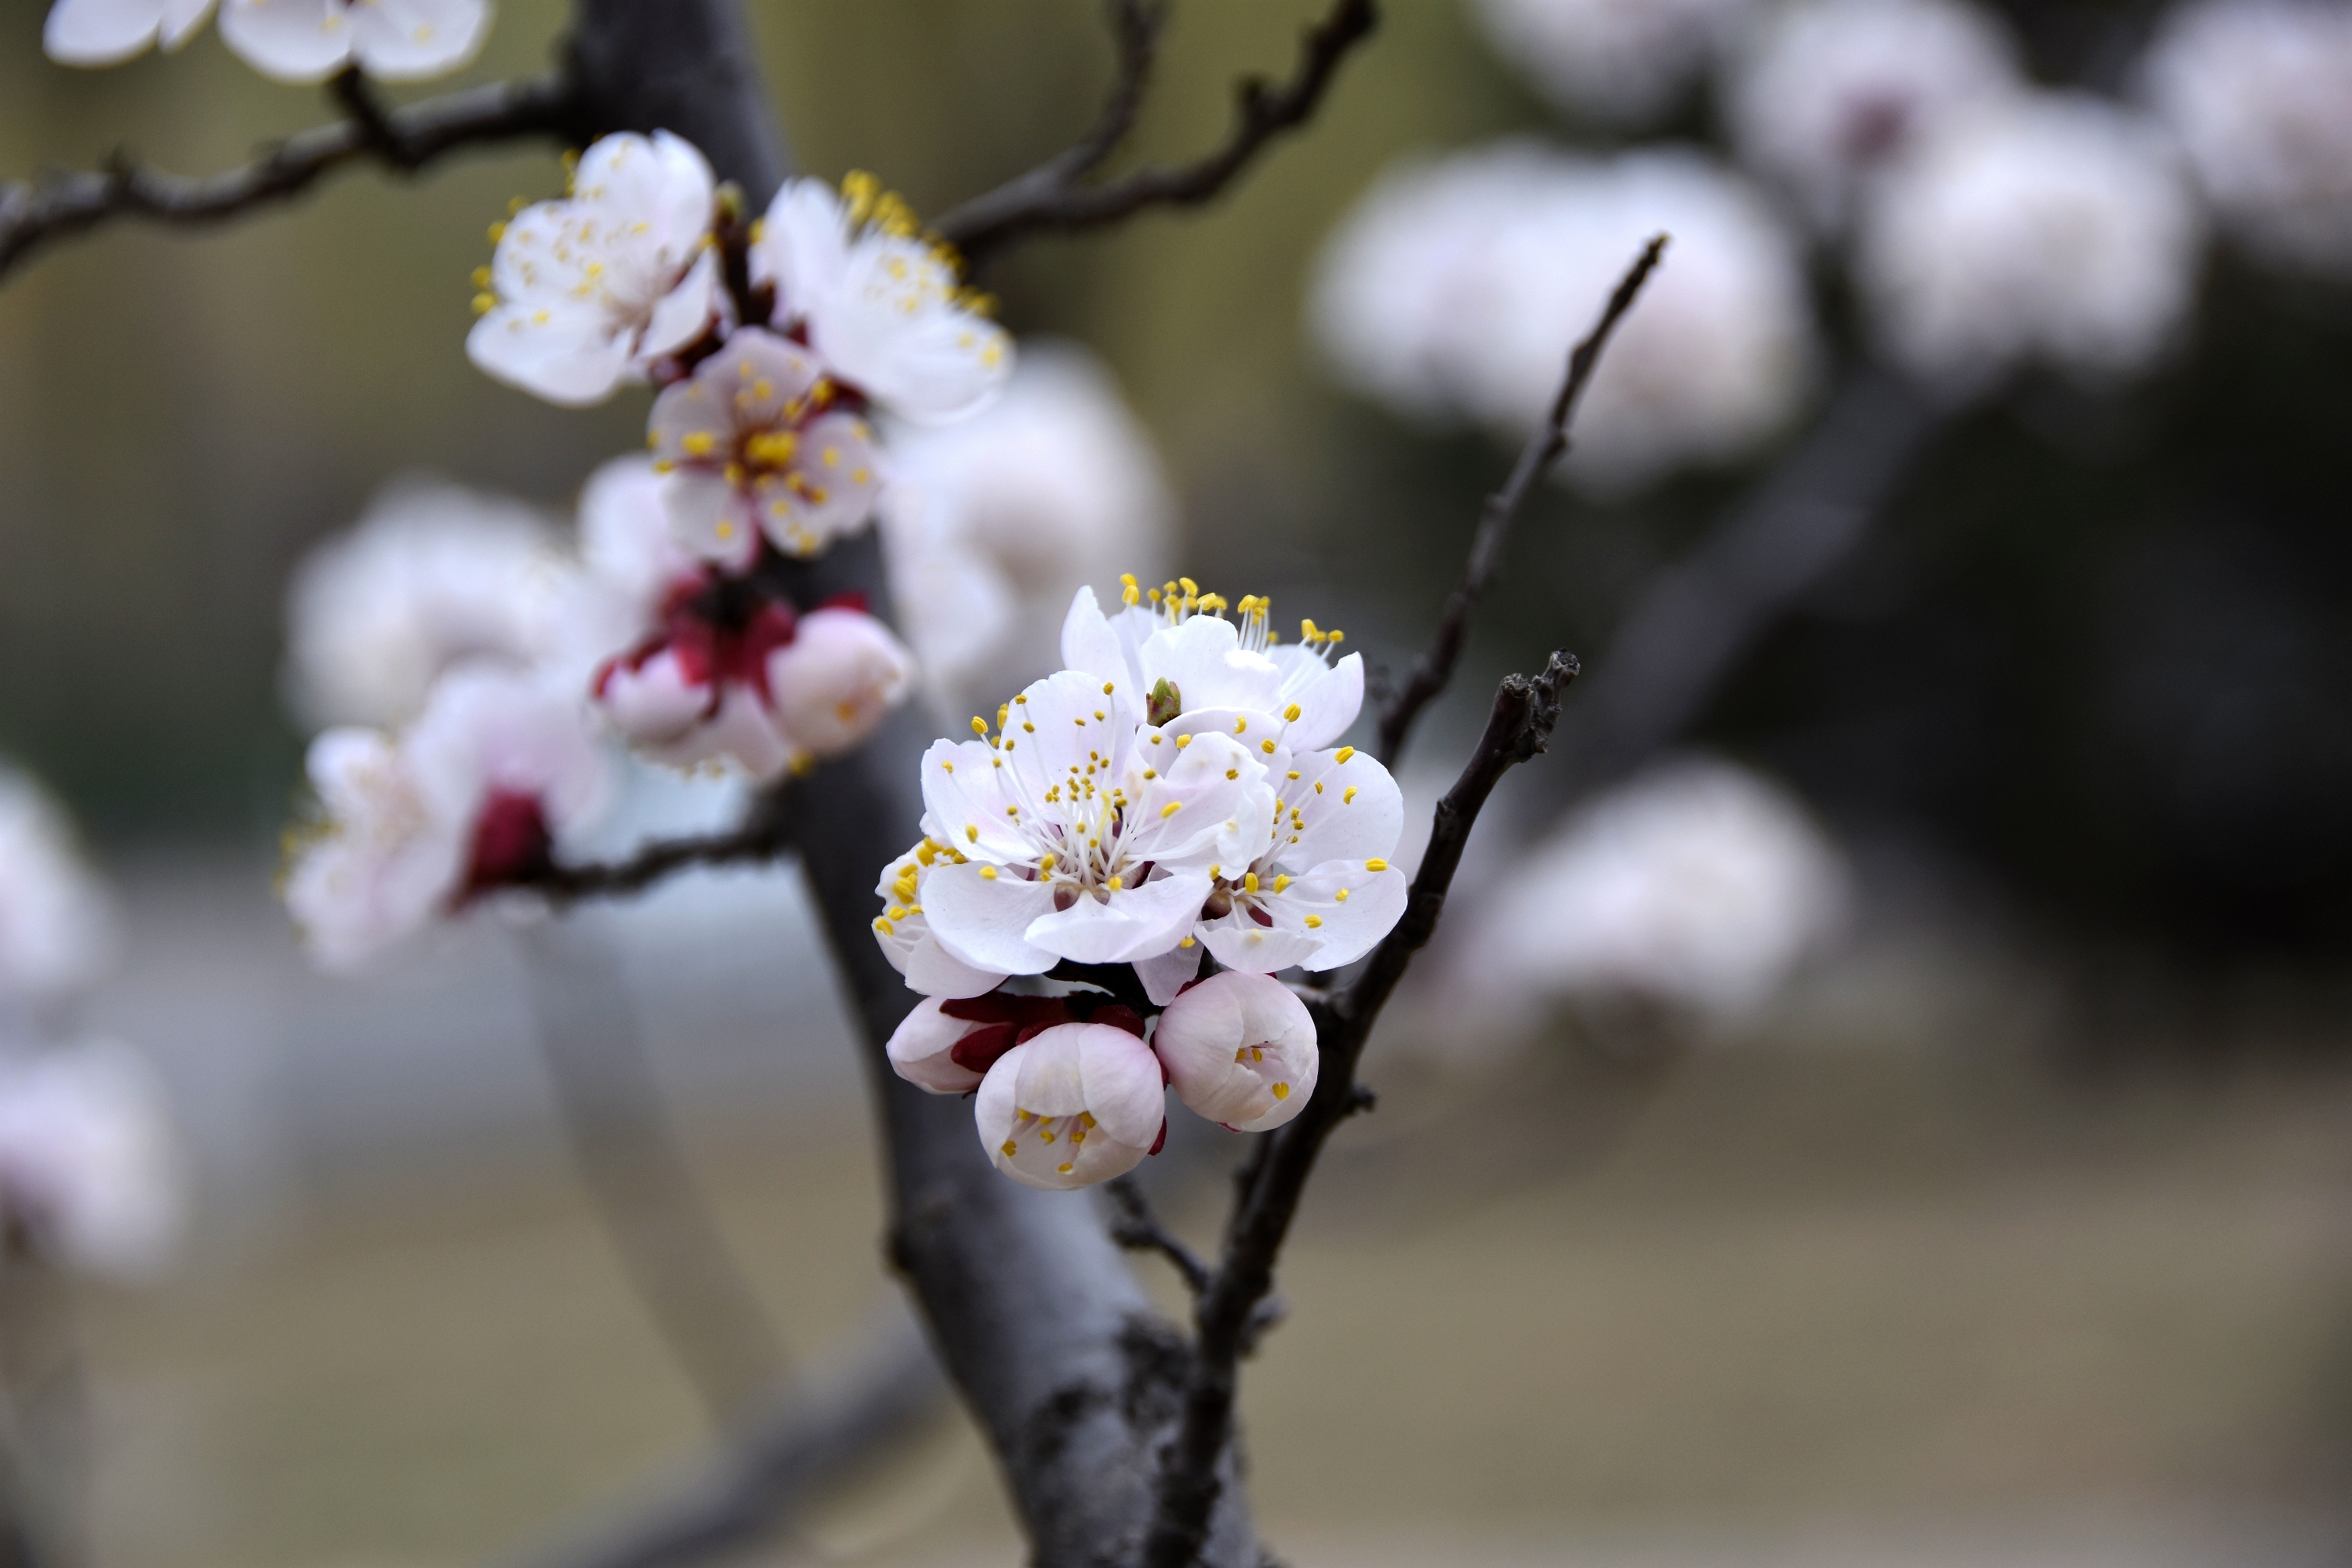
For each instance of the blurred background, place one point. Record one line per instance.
(1949, 1166)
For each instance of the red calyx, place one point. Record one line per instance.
(1005, 1022)
(511, 842)
(709, 654)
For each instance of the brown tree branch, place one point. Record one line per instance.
(1054, 196)
(1521, 722)
(764, 835)
(33, 214)
(1136, 1229)
(1434, 668)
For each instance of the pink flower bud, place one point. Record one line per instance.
(837, 679)
(1240, 1049)
(1077, 1104)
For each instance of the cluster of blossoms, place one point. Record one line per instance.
(292, 41)
(1172, 795)
(499, 663)
(1987, 225)
(88, 1165)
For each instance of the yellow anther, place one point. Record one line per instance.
(1192, 589)
(1348, 795)
(987, 873)
(1306, 631)
(497, 232)
(1313, 922)
(698, 442)
(1151, 772)
(1044, 1135)
(1065, 1168)
(971, 835)
(1239, 725)
(1266, 746)
(481, 277)
(1291, 714)
(979, 725)
(882, 927)
(1233, 772)
(1088, 1117)
(1376, 865)
(772, 448)
(1337, 636)
(1182, 741)
(1186, 942)
(1342, 756)
(1282, 1092)
(485, 303)
(949, 766)
(1281, 882)
(1249, 881)
(1171, 809)
(1108, 688)
(1011, 1148)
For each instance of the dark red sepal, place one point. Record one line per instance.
(1118, 1018)
(978, 1051)
(1161, 1142)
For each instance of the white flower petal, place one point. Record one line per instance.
(1240, 1049)
(1120, 926)
(292, 41)
(410, 40)
(1350, 810)
(569, 357)
(980, 921)
(918, 1050)
(1166, 975)
(685, 311)
(100, 32)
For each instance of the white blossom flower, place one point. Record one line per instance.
(1088, 835)
(769, 692)
(56, 926)
(497, 768)
(1621, 61)
(880, 306)
(989, 525)
(1821, 94)
(2256, 92)
(591, 291)
(1077, 1104)
(88, 1158)
(1700, 885)
(397, 40)
(1175, 649)
(946, 1044)
(1457, 288)
(751, 444)
(2050, 227)
(107, 32)
(432, 575)
(1239, 1050)
(904, 933)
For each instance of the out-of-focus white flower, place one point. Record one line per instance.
(751, 445)
(1457, 287)
(591, 291)
(497, 767)
(2051, 228)
(88, 1158)
(57, 928)
(1822, 93)
(905, 931)
(2257, 92)
(398, 40)
(1080, 1103)
(433, 575)
(992, 523)
(766, 693)
(1622, 61)
(107, 32)
(1700, 885)
(1240, 1050)
(879, 305)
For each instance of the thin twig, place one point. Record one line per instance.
(764, 834)
(60, 204)
(1054, 196)
(1137, 1229)
(1434, 668)
(1524, 713)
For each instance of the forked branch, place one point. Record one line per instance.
(61, 205)
(1055, 196)
(1434, 668)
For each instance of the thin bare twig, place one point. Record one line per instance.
(1434, 668)
(60, 204)
(1137, 1229)
(1054, 196)
(1233, 1310)
(764, 834)
(1525, 712)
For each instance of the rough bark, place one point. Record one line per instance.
(1056, 1348)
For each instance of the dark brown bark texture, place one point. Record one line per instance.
(1059, 1354)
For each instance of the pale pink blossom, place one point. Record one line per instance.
(107, 32)
(1239, 1050)
(396, 40)
(598, 288)
(1622, 61)
(88, 1158)
(1077, 1104)
(57, 925)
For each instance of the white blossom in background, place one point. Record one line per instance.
(107, 32)
(2053, 227)
(2259, 93)
(1821, 94)
(1457, 288)
(432, 575)
(56, 926)
(88, 1160)
(594, 290)
(1080, 1103)
(1621, 61)
(881, 306)
(497, 769)
(396, 40)
(1240, 1050)
(990, 525)
(750, 445)
(1700, 886)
